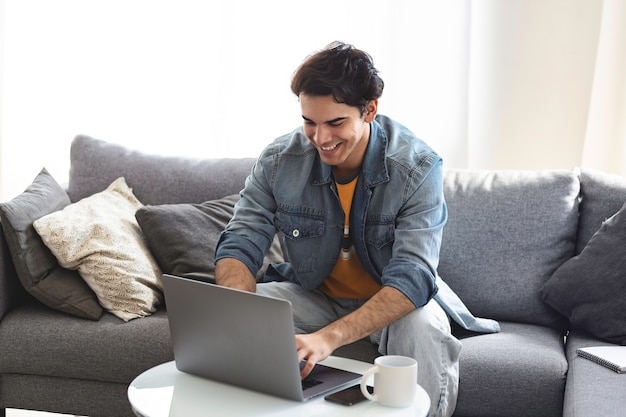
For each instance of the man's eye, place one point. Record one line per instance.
(335, 124)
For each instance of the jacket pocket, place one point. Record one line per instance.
(303, 229)
(379, 231)
(297, 226)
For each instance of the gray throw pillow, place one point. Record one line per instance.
(182, 237)
(589, 289)
(36, 267)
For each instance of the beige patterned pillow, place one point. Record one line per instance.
(99, 236)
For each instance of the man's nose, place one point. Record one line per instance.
(322, 135)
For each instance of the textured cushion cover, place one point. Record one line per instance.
(590, 289)
(36, 267)
(100, 237)
(507, 232)
(183, 237)
(154, 179)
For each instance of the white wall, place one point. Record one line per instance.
(211, 78)
(494, 84)
(532, 67)
(2, 26)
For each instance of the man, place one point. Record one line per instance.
(358, 200)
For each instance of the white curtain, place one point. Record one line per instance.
(605, 137)
(521, 84)
(548, 84)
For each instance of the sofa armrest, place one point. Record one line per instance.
(591, 389)
(11, 291)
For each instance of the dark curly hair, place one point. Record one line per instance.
(340, 70)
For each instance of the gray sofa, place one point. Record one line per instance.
(508, 233)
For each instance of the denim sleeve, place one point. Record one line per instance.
(250, 232)
(419, 227)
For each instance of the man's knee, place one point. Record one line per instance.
(425, 335)
(429, 319)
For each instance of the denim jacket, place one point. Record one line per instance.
(396, 223)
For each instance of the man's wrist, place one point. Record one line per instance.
(232, 273)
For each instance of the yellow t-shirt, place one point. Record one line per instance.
(348, 278)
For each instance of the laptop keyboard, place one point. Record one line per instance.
(310, 383)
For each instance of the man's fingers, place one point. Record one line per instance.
(306, 354)
(306, 370)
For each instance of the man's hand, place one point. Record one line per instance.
(313, 348)
(387, 306)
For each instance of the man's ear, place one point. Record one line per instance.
(371, 110)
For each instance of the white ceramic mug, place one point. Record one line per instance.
(395, 381)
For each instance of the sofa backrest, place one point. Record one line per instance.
(507, 232)
(95, 164)
(602, 195)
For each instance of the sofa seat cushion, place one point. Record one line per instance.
(362, 350)
(507, 232)
(65, 397)
(520, 371)
(592, 389)
(37, 340)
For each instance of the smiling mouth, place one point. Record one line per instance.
(329, 148)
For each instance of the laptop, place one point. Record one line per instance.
(242, 339)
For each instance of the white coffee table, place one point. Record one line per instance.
(163, 391)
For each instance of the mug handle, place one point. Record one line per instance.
(364, 379)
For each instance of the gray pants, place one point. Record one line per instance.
(423, 334)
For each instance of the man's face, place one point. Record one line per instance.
(338, 131)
